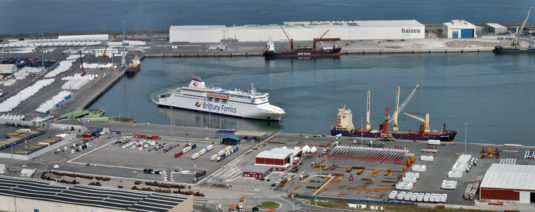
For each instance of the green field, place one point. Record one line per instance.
(268, 205)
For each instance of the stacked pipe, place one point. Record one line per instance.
(14, 101)
(63, 67)
(77, 81)
(370, 154)
(54, 102)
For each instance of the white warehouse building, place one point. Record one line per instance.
(300, 31)
(458, 29)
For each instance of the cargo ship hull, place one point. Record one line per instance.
(410, 135)
(132, 70)
(302, 53)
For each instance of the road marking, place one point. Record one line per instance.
(70, 161)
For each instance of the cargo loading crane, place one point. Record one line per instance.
(289, 40)
(516, 48)
(82, 64)
(399, 108)
(516, 41)
(425, 121)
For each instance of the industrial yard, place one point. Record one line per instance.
(48, 85)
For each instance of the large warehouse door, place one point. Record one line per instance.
(454, 34)
(467, 33)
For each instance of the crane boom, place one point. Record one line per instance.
(368, 124)
(288, 37)
(324, 34)
(396, 112)
(405, 102)
(519, 30)
(425, 121)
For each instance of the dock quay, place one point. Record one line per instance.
(296, 170)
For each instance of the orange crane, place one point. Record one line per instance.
(104, 53)
(288, 37)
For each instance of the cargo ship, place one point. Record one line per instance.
(133, 67)
(201, 98)
(344, 126)
(333, 51)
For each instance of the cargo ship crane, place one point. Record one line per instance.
(322, 35)
(516, 41)
(288, 37)
(399, 108)
(424, 121)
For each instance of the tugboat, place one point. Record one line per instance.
(133, 67)
(334, 51)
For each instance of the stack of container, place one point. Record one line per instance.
(186, 150)
(54, 102)
(14, 101)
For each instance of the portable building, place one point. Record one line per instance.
(496, 28)
(458, 29)
(8, 68)
(230, 140)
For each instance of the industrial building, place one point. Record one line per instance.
(8, 69)
(495, 28)
(300, 31)
(279, 158)
(509, 182)
(458, 29)
(30, 195)
(259, 172)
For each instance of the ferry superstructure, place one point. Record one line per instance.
(198, 97)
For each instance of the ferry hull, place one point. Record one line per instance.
(250, 111)
(509, 50)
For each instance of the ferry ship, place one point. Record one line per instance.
(198, 97)
(133, 67)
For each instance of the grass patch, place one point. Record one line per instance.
(268, 205)
(388, 207)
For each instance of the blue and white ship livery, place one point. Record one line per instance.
(198, 97)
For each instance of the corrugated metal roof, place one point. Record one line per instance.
(277, 153)
(80, 195)
(506, 176)
(257, 169)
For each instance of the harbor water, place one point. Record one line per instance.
(492, 94)
(38, 16)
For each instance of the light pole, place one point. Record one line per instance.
(465, 135)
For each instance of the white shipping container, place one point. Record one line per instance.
(426, 157)
(409, 179)
(455, 174)
(203, 151)
(2, 168)
(433, 142)
(404, 186)
(412, 174)
(186, 149)
(449, 184)
(221, 153)
(418, 168)
(228, 149)
(195, 156)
